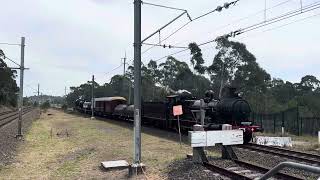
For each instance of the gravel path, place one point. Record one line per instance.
(8, 142)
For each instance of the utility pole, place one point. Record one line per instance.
(124, 63)
(124, 73)
(65, 91)
(92, 98)
(19, 135)
(38, 92)
(137, 87)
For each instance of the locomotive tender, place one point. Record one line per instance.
(230, 109)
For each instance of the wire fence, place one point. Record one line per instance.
(290, 119)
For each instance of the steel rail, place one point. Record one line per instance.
(279, 153)
(288, 151)
(15, 116)
(8, 115)
(265, 170)
(225, 172)
(6, 112)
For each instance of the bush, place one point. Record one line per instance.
(64, 107)
(45, 105)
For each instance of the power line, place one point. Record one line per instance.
(10, 44)
(234, 33)
(277, 27)
(282, 17)
(163, 45)
(283, 25)
(246, 17)
(218, 8)
(5, 57)
(114, 69)
(157, 5)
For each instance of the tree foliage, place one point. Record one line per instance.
(8, 85)
(233, 64)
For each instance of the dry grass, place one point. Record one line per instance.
(80, 146)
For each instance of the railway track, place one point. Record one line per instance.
(290, 154)
(246, 171)
(7, 117)
(6, 112)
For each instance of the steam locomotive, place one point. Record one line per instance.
(229, 109)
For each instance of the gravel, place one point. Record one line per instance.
(8, 142)
(269, 161)
(186, 169)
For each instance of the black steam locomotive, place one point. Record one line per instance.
(230, 109)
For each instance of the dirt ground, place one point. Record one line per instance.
(66, 146)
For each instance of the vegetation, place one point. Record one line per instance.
(233, 64)
(8, 85)
(50, 153)
(45, 105)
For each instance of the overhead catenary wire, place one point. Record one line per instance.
(183, 50)
(273, 20)
(283, 25)
(10, 44)
(290, 14)
(5, 57)
(158, 5)
(218, 8)
(244, 18)
(164, 45)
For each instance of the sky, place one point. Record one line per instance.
(69, 41)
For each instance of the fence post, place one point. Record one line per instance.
(261, 120)
(297, 122)
(301, 126)
(274, 123)
(282, 123)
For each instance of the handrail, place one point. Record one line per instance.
(282, 165)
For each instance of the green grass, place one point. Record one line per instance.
(44, 155)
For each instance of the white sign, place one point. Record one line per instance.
(273, 141)
(210, 138)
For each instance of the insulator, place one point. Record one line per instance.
(219, 8)
(226, 5)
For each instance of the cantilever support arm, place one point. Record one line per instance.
(282, 165)
(184, 12)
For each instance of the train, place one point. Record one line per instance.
(229, 109)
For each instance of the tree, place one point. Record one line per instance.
(196, 59)
(309, 83)
(8, 85)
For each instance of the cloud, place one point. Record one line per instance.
(68, 41)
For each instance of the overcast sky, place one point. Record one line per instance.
(69, 40)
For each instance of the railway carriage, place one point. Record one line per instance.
(105, 106)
